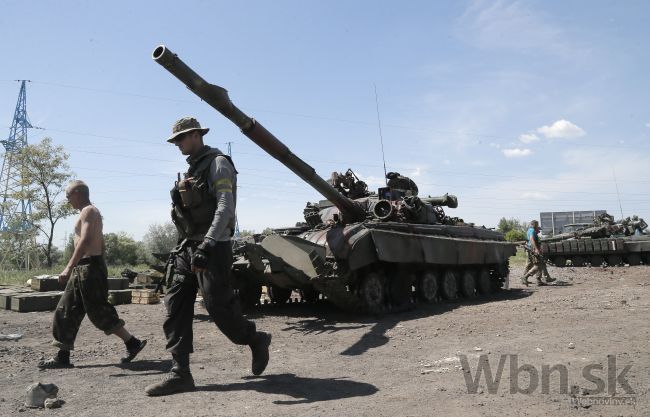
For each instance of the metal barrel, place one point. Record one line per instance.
(217, 97)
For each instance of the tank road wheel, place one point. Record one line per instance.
(401, 290)
(309, 295)
(614, 260)
(468, 284)
(427, 287)
(633, 259)
(279, 295)
(485, 285)
(597, 260)
(372, 291)
(449, 287)
(559, 261)
(577, 261)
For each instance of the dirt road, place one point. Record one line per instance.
(324, 362)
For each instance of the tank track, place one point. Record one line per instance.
(595, 260)
(370, 291)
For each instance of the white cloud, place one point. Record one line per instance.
(535, 195)
(517, 152)
(561, 129)
(373, 181)
(416, 173)
(528, 137)
(514, 25)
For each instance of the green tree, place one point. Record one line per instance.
(44, 174)
(18, 251)
(120, 249)
(506, 225)
(515, 235)
(160, 238)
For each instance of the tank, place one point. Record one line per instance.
(363, 251)
(604, 242)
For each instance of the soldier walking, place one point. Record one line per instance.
(203, 210)
(535, 264)
(86, 291)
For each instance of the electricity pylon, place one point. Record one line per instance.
(15, 226)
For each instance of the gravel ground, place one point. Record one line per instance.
(594, 323)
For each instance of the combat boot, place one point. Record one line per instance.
(549, 279)
(133, 347)
(541, 283)
(524, 281)
(179, 379)
(260, 350)
(61, 360)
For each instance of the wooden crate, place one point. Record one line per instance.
(148, 278)
(46, 283)
(117, 297)
(144, 297)
(35, 301)
(7, 293)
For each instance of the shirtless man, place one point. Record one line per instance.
(86, 291)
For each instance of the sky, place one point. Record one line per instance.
(515, 107)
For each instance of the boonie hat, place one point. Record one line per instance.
(184, 125)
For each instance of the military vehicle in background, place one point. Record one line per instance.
(605, 241)
(363, 251)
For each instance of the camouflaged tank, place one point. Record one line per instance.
(363, 251)
(605, 242)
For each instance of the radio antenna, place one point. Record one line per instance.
(381, 138)
(620, 206)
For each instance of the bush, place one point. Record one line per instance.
(161, 238)
(506, 225)
(122, 249)
(515, 235)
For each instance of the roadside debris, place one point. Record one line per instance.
(37, 393)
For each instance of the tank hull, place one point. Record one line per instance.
(378, 267)
(612, 251)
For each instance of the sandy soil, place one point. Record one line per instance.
(324, 362)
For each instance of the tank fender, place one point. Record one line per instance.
(298, 253)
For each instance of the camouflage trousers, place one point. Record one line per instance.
(85, 293)
(218, 296)
(535, 265)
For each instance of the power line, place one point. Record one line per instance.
(360, 122)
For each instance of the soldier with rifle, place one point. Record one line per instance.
(535, 263)
(203, 210)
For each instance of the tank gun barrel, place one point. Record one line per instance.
(218, 98)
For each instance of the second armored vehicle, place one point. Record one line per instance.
(603, 242)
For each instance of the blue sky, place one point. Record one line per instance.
(516, 107)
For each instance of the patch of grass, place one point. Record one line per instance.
(20, 276)
(519, 258)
